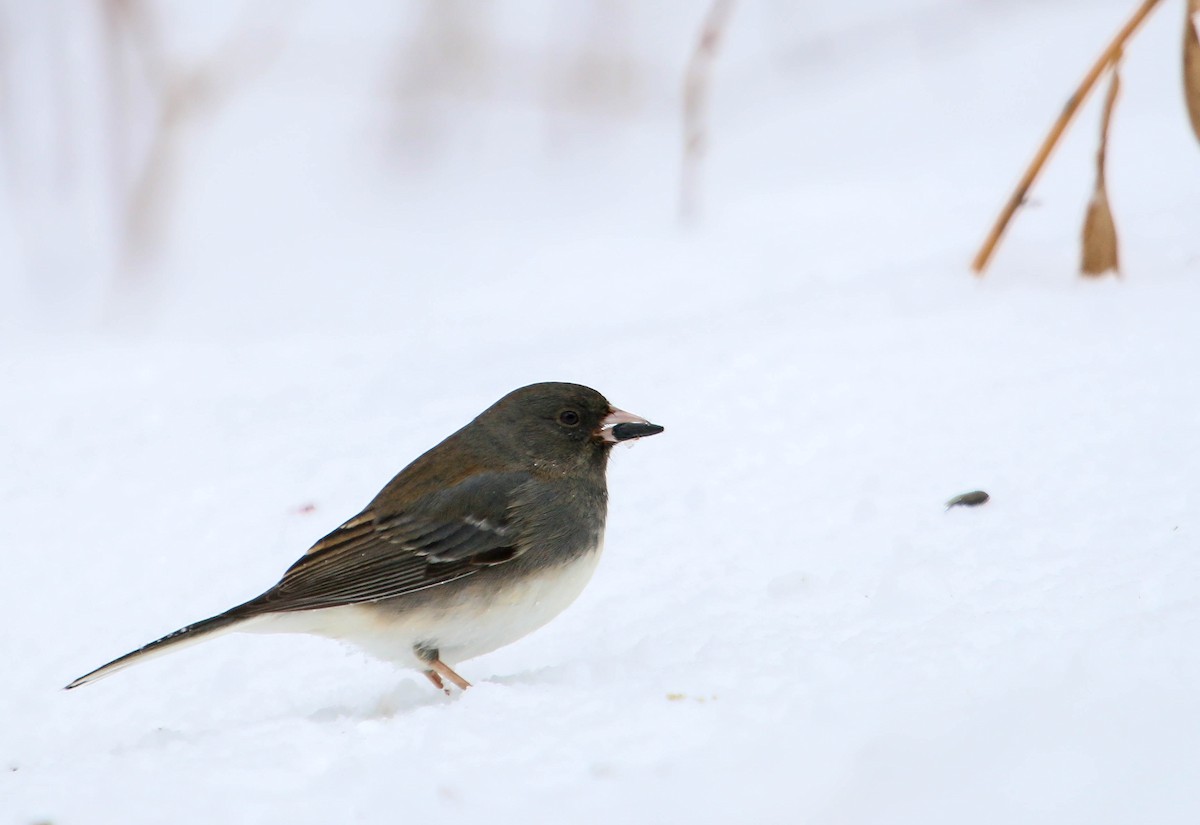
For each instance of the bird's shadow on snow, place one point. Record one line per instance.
(406, 697)
(547, 675)
(412, 695)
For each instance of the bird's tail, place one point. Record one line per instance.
(181, 638)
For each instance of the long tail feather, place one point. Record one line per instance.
(172, 641)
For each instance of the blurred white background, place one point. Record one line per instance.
(162, 161)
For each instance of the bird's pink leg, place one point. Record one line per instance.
(438, 668)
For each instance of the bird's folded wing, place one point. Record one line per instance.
(376, 555)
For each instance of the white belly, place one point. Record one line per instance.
(478, 622)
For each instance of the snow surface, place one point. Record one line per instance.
(787, 626)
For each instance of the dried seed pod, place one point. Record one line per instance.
(1099, 231)
(971, 499)
(1099, 236)
(1191, 63)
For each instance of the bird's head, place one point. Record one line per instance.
(562, 423)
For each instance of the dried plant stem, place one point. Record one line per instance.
(1110, 53)
(1110, 102)
(695, 105)
(1191, 63)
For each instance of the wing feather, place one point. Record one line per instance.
(373, 557)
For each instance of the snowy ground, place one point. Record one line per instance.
(787, 626)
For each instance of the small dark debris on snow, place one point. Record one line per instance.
(971, 499)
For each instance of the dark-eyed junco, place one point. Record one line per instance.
(478, 542)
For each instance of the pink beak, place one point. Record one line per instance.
(619, 425)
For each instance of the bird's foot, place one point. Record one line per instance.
(437, 681)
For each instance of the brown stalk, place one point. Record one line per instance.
(1107, 57)
(695, 105)
(1191, 63)
(1099, 231)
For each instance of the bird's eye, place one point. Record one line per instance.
(568, 418)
